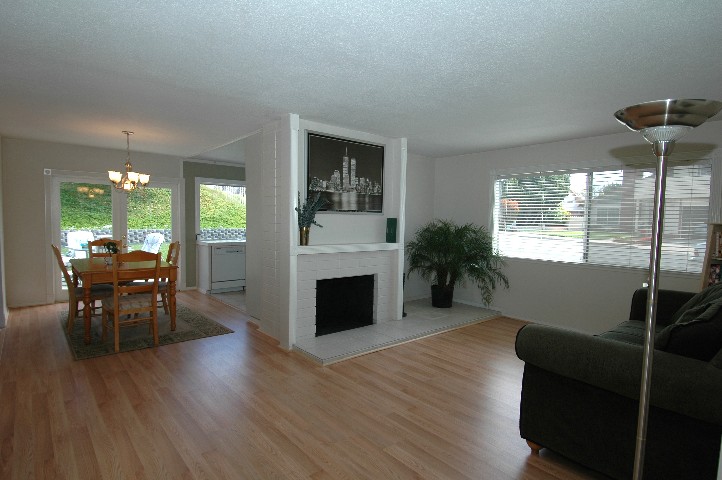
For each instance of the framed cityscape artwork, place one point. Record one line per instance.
(349, 174)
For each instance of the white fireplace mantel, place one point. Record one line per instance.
(345, 248)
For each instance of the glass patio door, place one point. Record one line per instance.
(86, 207)
(150, 219)
(84, 213)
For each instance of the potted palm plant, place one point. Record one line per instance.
(448, 254)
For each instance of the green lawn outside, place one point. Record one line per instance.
(148, 208)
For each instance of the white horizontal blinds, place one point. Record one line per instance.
(602, 216)
(532, 222)
(687, 203)
(620, 217)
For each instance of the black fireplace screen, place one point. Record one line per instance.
(344, 303)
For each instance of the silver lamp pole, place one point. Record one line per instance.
(661, 123)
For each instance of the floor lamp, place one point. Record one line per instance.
(661, 123)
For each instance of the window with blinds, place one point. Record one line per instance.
(603, 217)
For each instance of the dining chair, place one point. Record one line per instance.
(172, 258)
(132, 303)
(96, 248)
(75, 294)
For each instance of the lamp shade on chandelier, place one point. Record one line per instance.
(129, 180)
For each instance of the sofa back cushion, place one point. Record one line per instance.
(704, 297)
(697, 332)
(717, 360)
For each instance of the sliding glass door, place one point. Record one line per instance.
(84, 213)
(86, 207)
(150, 220)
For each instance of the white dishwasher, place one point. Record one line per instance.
(222, 266)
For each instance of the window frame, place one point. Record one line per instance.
(698, 163)
(197, 193)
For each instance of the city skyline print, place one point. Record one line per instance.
(347, 173)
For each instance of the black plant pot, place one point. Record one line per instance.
(441, 297)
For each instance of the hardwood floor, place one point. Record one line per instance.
(237, 406)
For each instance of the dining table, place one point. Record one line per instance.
(95, 270)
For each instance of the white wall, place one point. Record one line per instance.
(27, 254)
(419, 211)
(253, 155)
(273, 178)
(262, 241)
(584, 298)
(355, 227)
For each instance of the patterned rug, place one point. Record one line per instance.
(189, 326)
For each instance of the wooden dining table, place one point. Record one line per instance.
(94, 270)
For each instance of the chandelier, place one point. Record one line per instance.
(129, 180)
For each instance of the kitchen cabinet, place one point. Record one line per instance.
(221, 266)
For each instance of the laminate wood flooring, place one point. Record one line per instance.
(238, 407)
(236, 300)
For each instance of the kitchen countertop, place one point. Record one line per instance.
(220, 242)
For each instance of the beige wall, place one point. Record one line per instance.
(27, 253)
(3, 301)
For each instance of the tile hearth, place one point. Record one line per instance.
(421, 321)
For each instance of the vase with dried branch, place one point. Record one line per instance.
(307, 214)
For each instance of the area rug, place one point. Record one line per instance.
(189, 326)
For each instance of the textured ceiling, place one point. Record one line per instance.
(453, 77)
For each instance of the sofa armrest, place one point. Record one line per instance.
(668, 302)
(680, 384)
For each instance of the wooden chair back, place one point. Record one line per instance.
(173, 253)
(72, 297)
(75, 295)
(122, 278)
(96, 247)
(134, 302)
(64, 270)
(172, 258)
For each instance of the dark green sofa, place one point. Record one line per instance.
(580, 392)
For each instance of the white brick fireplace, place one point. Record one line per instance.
(319, 263)
(349, 244)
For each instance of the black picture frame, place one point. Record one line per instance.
(348, 173)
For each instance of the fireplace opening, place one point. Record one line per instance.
(344, 303)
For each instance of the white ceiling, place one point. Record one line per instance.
(453, 77)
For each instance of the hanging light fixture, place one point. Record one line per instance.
(91, 192)
(129, 180)
(661, 123)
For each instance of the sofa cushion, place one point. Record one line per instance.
(706, 296)
(631, 331)
(717, 360)
(697, 333)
